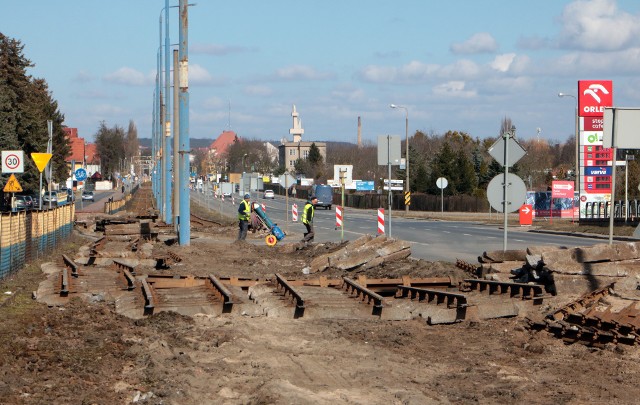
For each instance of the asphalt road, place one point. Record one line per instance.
(430, 240)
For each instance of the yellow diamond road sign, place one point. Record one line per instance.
(12, 185)
(41, 160)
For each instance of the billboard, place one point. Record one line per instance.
(594, 96)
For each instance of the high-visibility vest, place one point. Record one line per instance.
(307, 213)
(245, 213)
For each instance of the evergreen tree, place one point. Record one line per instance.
(25, 106)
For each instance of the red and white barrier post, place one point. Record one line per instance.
(380, 221)
(338, 217)
(294, 212)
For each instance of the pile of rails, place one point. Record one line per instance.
(603, 277)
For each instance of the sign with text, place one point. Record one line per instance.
(594, 96)
(562, 189)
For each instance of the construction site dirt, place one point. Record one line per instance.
(227, 322)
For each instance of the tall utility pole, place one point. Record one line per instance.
(184, 233)
(166, 172)
(176, 141)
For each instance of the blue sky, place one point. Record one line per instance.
(456, 65)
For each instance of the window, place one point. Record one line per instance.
(305, 154)
(292, 152)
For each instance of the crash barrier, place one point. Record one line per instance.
(28, 235)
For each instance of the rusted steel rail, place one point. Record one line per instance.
(468, 267)
(149, 304)
(581, 303)
(287, 289)
(71, 265)
(364, 293)
(64, 288)
(222, 291)
(97, 246)
(453, 300)
(524, 291)
(129, 272)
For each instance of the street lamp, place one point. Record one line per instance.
(406, 132)
(577, 167)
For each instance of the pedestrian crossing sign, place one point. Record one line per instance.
(12, 186)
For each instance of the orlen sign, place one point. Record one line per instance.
(594, 96)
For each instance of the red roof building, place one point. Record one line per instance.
(219, 146)
(80, 149)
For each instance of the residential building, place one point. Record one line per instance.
(289, 152)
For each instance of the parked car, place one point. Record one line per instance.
(269, 194)
(87, 195)
(36, 201)
(24, 202)
(55, 197)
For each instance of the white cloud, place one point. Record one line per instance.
(481, 42)
(598, 25)
(258, 90)
(199, 75)
(503, 62)
(454, 88)
(300, 72)
(129, 77)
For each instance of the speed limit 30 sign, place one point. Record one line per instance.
(12, 161)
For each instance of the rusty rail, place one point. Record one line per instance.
(148, 297)
(222, 292)
(468, 267)
(582, 302)
(70, 264)
(281, 283)
(129, 272)
(64, 289)
(364, 293)
(453, 300)
(524, 291)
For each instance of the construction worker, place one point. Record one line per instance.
(307, 219)
(244, 215)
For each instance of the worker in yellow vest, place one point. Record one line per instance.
(307, 219)
(244, 215)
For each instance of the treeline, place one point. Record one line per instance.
(25, 106)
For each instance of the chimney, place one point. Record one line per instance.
(359, 133)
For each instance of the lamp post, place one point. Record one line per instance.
(577, 167)
(406, 133)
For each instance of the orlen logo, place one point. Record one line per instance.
(594, 96)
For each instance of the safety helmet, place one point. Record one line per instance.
(247, 196)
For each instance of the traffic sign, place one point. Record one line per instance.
(12, 186)
(407, 198)
(516, 192)
(526, 214)
(562, 189)
(81, 174)
(515, 150)
(41, 160)
(442, 183)
(12, 161)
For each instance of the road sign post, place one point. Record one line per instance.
(526, 215)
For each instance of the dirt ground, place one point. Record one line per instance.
(83, 352)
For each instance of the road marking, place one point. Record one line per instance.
(446, 232)
(466, 234)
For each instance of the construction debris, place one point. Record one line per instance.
(365, 252)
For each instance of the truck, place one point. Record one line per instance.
(325, 195)
(225, 189)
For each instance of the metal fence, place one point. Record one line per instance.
(28, 235)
